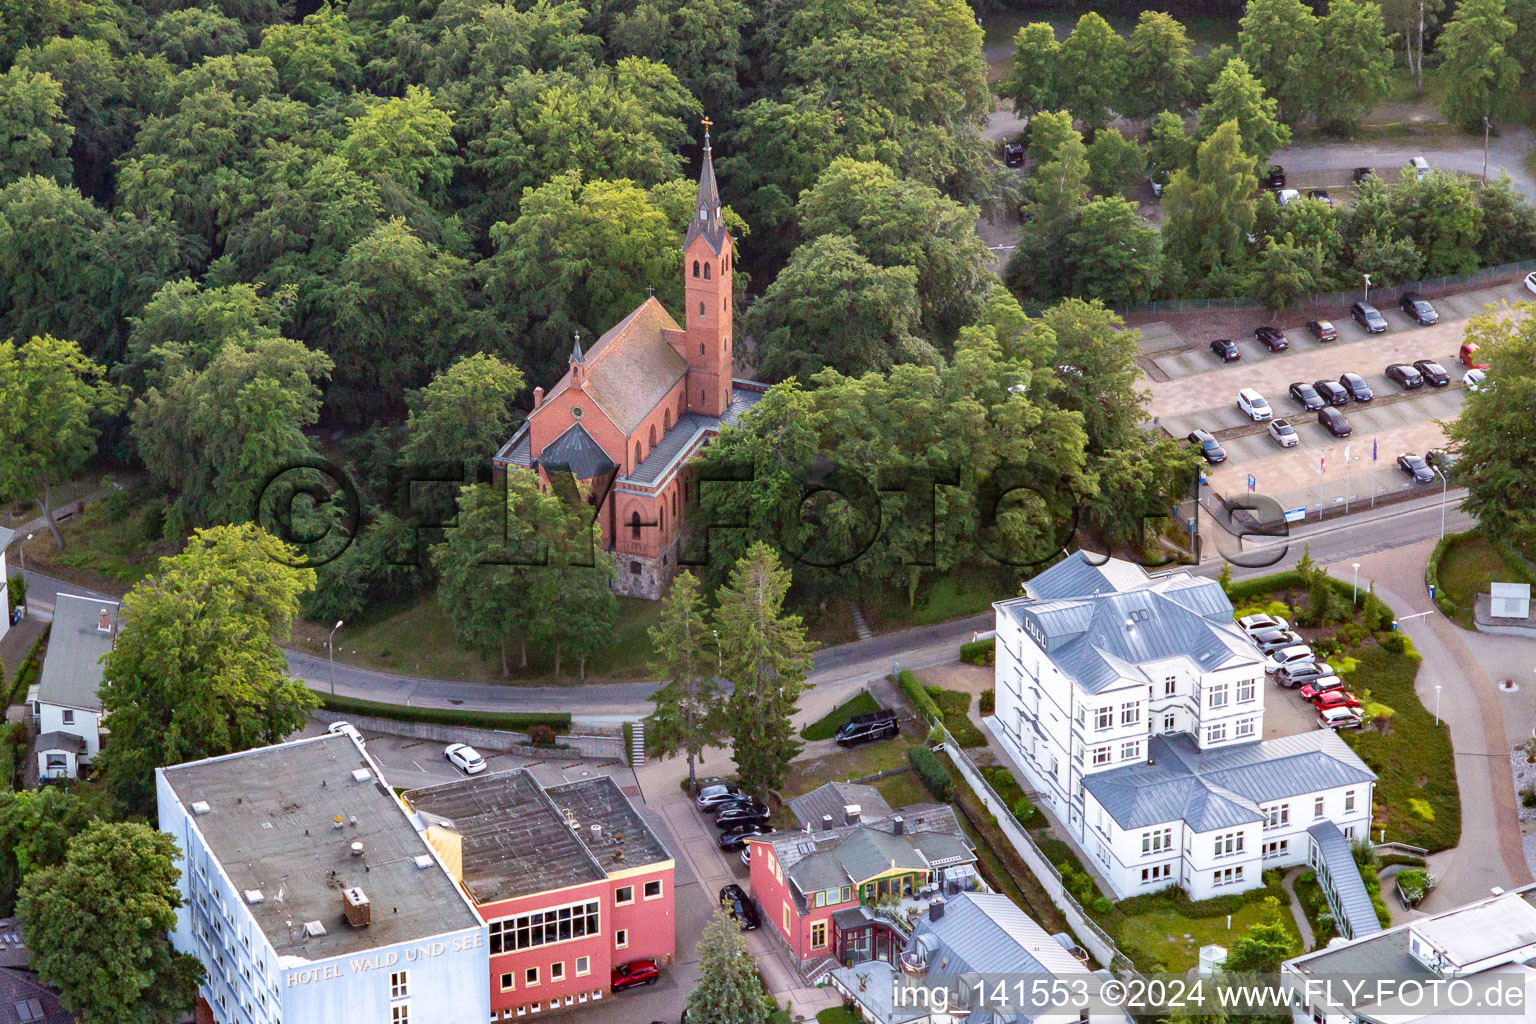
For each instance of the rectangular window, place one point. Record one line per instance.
(846, 894)
(1244, 728)
(818, 935)
(784, 915)
(1219, 695)
(1168, 722)
(1317, 808)
(1103, 718)
(1157, 841)
(583, 965)
(557, 971)
(1170, 686)
(506, 982)
(531, 976)
(1217, 732)
(652, 889)
(1245, 691)
(400, 1015)
(624, 894)
(69, 717)
(544, 927)
(1277, 816)
(1349, 801)
(821, 899)
(1278, 848)
(621, 938)
(1156, 873)
(399, 984)
(1130, 750)
(1101, 755)
(1229, 844)
(1130, 714)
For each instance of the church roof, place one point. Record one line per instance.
(576, 451)
(708, 221)
(631, 368)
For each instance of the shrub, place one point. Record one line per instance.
(1422, 808)
(1102, 905)
(17, 589)
(1395, 643)
(931, 771)
(1415, 884)
(516, 721)
(541, 735)
(978, 652)
(988, 702)
(1528, 796)
(1023, 809)
(919, 697)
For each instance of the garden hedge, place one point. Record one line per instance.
(519, 721)
(931, 771)
(978, 652)
(915, 692)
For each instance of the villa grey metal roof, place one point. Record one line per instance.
(1078, 576)
(986, 933)
(1353, 901)
(678, 439)
(72, 670)
(1223, 787)
(575, 450)
(832, 798)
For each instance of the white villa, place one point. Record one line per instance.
(1134, 705)
(65, 700)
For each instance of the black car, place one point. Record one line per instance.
(735, 900)
(1322, 330)
(1433, 372)
(1321, 195)
(1226, 350)
(1439, 458)
(1405, 375)
(1274, 178)
(1355, 384)
(1417, 468)
(1361, 173)
(1306, 395)
(736, 838)
(875, 725)
(1419, 309)
(1209, 448)
(745, 813)
(1332, 392)
(1369, 317)
(1334, 422)
(1013, 154)
(1272, 339)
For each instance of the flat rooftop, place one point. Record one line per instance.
(518, 838)
(270, 821)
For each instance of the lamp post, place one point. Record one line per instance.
(24, 551)
(1367, 286)
(1444, 483)
(1354, 588)
(330, 650)
(719, 654)
(1437, 703)
(1487, 127)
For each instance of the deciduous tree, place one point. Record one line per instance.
(1092, 69)
(465, 415)
(1276, 38)
(1481, 73)
(1116, 164)
(1494, 436)
(1159, 69)
(1031, 81)
(1209, 209)
(1237, 96)
(1349, 70)
(36, 135)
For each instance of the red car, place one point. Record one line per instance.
(1318, 687)
(1470, 358)
(636, 972)
(1336, 699)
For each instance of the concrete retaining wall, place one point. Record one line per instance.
(600, 748)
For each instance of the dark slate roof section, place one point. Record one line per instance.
(833, 798)
(72, 670)
(575, 451)
(24, 1001)
(1223, 787)
(691, 426)
(518, 451)
(50, 741)
(708, 221)
(1353, 901)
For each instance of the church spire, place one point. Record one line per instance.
(708, 220)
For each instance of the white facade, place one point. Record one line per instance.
(1101, 669)
(66, 701)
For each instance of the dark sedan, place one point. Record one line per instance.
(1439, 458)
(1210, 449)
(1361, 173)
(1358, 389)
(1419, 309)
(1433, 372)
(1369, 317)
(736, 838)
(1334, 422)
(1322, 330)
(740, 907)
(1274, 178)
(1321, 195)
(1405, 375)
(1306, 395)
(1332, 391)
(1417, 468)
(1225, 349)
(742, 814)
(1272, 339)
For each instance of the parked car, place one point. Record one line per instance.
(1475, 380)
(732, 893)
(1272, 339)
(1416, 468)
(1288, 656)
(874, 725)
(1421, 168)
(745, 813)
(636, 972)
(1303, 672)
(746, 857)
(1338, 718)
(1361, 173)
(1306, 395)
(1406, 375)
(1013, 154)
(1210, 449)
(1285, 195)
(1283, 433)
(1336, 699)
(736, 838)
(1321, 195)
(1274, 178)
(1530, 282)
(1369, 317)
(715, 794)
(1272, 640)
(1355, 384)
(465, 757)
(1332, 392)
(1334, 422)
(1418, 309)
(1469, 356)
(1321, 685)
(1444, 461)
(1254, 405)
(1226, 350)
(1323, 330)
(346, 729)
(1260, 622)
(739, 905)
(1433, 372)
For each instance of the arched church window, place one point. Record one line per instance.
(634, 525)
(706, 271)
(701, 309)
(637, 453)
(695, 268)
(653, 435)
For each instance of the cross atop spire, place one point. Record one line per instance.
(708, 220)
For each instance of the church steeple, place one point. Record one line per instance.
(708, 220)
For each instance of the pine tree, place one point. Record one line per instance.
(766, 657)
(729, 990)
(687, 716)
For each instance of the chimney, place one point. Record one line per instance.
(936, 908)
(538, 397)
(104, 621)
(826, 821)
(851, 814)
(901, 825)
(356, 907)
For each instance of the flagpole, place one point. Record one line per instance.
(1346, 479)
(1373, 472)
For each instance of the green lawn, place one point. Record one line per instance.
(852, 763)
(956, 706)
(969, 590)
(1151, 929)
(1468, 566)
(825, 728)
(837, 1015)
(903, 790)
(1412, 756)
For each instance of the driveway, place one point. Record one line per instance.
(1330, 163)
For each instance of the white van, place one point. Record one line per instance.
(1421, 168)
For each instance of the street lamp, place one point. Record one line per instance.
(330, 650)
(1354, 588)
(24, 551)
(1367, 286)
(719, 654)
(1444, 483)
(1437, 703)
(1487, 127)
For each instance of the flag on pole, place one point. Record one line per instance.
(1373, 449)
(1346, 455)
(1322, 463)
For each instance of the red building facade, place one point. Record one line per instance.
(570, 880)
(639, 402)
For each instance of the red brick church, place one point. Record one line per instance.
(641, 400)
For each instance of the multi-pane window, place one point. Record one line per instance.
(818, 934)
(400, 1015)
(1217, 732)
(1170, 686)
(1157, 840)
(1349, 801)
(1278, 815)
(1130, 714)
(1168, 722)
(1245, 691)
(1219, 695)
(1101, 755)
(1317, 807)
(1104, 718)
(1130, 750)
(1157, 873)
(1228, 876)
(399, 985)
(1243, 728)
(1278, 848)
(1229, 844)
(558, 924)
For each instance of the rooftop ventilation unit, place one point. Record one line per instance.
(200, 807)
(851, 814)
(254, 896)
(361, 775)
(356, 907)
(337, 822)
(357, 849)
(424, 861)
(313, 929)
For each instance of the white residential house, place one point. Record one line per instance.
(1134, 705)
(65, 700)
(6, 537)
